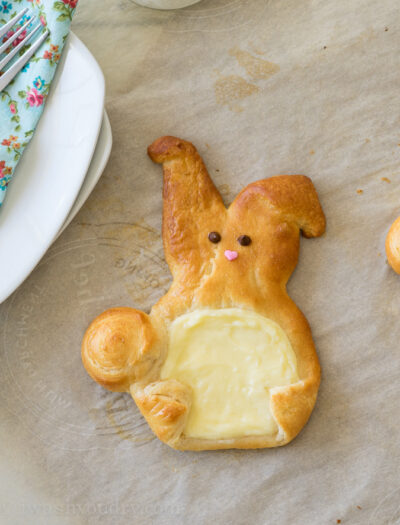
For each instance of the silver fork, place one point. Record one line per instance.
(11, 72)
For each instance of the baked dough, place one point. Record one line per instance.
(392, 246)
(230, 268)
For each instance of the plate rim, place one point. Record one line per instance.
(106, 129)
(11, 284)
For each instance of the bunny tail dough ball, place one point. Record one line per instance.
(225, 359)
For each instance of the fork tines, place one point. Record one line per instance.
(12, 22)
(8, 75)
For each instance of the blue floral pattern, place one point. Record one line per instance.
(39, 83)
(22, 102)
(5, 6)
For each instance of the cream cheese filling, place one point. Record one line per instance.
(230, 358)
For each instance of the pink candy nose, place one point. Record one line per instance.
(231, 256)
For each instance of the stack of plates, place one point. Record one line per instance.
(59, 168)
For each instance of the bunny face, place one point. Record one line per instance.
(255, 247)
(225, 359)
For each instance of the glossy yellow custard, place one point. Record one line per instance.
(230, 358)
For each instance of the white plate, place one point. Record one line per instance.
(53, 167)
(96, 168)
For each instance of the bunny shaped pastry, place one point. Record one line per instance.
(225, 359)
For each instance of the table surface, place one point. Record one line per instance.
(235, 77)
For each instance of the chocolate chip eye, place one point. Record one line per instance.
(214, 237)
(244, 240)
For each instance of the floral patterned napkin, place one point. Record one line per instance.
(22, 101)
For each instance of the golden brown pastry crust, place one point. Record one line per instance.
(392, 246)
(124, 349)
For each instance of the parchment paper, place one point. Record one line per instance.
(260, 87)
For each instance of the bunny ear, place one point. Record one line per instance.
(292, 196)
(192, 204)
